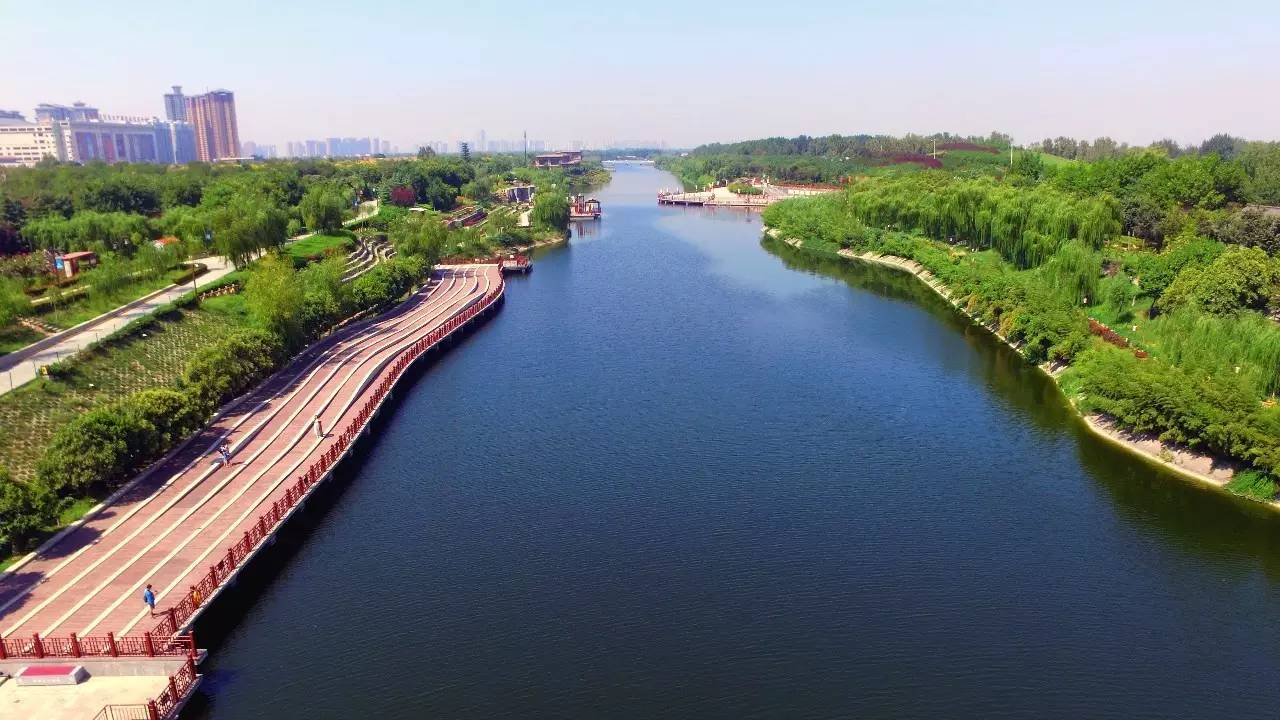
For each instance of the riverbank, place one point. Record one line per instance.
(1206, 469)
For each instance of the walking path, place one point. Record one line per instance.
(21, 366)
(177, 521)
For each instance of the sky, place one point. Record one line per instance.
(681, 72)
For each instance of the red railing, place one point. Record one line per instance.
(268, 521)
(163, 706)
(180, 683)
(148, 644)
(163, 639)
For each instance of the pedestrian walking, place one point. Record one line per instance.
(225, 451)
(149, 598)
(317, 425)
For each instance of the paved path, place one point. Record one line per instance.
(174, 523)
(20, 367)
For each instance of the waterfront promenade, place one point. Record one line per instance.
(192, 519)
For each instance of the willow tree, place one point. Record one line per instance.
(1073, 271)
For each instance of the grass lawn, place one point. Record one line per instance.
(317, 245)
(1051, 160)
(16, 337)
(89, 306)
(153, 356)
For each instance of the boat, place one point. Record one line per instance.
(584, 208)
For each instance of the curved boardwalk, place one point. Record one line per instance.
(169, 528)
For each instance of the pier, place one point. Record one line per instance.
(722, 196)
(190, 524)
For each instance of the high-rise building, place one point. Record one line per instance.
(176, 142)
(214, 116)
(175, 105)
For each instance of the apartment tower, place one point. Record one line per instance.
(175, 105)
(214, 116)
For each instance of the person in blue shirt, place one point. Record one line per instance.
(149, 598)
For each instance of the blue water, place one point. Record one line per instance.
(680, 475)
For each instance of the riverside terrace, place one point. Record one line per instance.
(189, 524)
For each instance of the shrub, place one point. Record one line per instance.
(231, 366)
(108, 444)
(1217, 412)
(25, 510)
(1241, 278)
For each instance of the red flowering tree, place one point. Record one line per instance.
(403, 196)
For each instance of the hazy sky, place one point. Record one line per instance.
(683, 72)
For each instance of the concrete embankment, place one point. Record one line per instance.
(1203, 468)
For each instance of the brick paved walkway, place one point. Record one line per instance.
(167, 528)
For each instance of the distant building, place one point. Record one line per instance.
(558, 159)
(214, 116)
(23, 142)
(76, 112)
(176, 141)
(175, 105)
(84, 135)
(79, 133)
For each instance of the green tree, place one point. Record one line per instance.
(25, 509)
(551, 210)
(420, 235)
(274, 296)
(1239, 279)
(480, 190)
(1261, 163)
(323, 208)
(1120, 294)
(13, 301)
(247, 225)
(111, 276)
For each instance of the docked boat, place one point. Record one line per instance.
(584, 208)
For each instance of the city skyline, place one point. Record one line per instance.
(839, 68)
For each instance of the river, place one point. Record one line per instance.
(679, 475)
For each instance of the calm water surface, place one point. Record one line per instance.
(679, 475)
